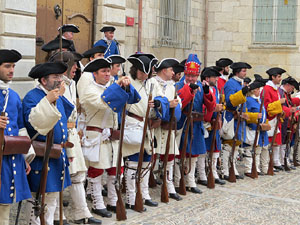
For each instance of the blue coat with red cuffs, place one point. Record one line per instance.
(57, 167)
(185, 93)
(14, 182)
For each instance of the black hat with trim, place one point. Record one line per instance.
(69, 28)
(178, 68)
(240, 65)
(291, 81)
(98, 49)
(116, 59)
(275, 71)
(45, 69)
(209, 72)
(54, 45)
(107, 28)
(223, 62)
(166, 63)
(97, 64)
(247, 80)
(9, 56)
(259, 78)
(143, 62)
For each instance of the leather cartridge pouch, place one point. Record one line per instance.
(154, 123)
(265, 126)
(165, 125)
(40, 148)
(16, 145)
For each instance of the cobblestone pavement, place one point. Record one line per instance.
(267, 200)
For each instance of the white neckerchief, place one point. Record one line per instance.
(108, 41)
(224, 77)
(4, 85)
(283, 89)
(270, 83)
(239, 80)
(161, 81)
(67, 80)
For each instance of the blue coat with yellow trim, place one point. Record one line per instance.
(198, 144)
(253, 106)
(13, 176)
(111, 49)
(233, 98)
(57, 167)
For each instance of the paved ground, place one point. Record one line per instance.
(267, 200)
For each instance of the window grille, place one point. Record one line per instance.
(275, 22)
(174, 24)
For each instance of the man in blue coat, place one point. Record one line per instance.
(111, 44)
(14, 185)
(191, 91)
(45, 108)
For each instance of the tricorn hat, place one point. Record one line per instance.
(54, 45)
(166, 63)
(291, 81)
(116, 59)
(97, 64)
(107, 28)
(45, 69)
(143, 62)
(223, 62)
(69, 28)
(9, 56)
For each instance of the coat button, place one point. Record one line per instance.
(6, 114)
(4, 92)
(14, 165)
(61, 123)
(15, 172)
(48, 168)
(9, 129)
(13, 158)
(63, 130)
(63, 172)
(13, 181)
(11, 195)
(7, 121)
(36, 172)
(62, 178)
(12, 188)
(64, 136)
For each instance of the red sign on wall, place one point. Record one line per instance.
(129, 21)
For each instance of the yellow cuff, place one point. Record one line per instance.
(237, 98)
(274, 108)
(252, 117)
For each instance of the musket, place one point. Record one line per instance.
(288, 137)
(120, 209)
(1, 146)
(152, 181)
(295, 153)
(210, 176)
(271, 163)
(164, 191)
(39, 202)
(182, 188)
(257, 132)
(232, 177)
(138, 206)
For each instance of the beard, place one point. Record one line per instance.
(225, 73)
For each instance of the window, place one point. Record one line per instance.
(174, 23)
(275, 22)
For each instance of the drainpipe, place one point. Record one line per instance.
(140, 18)
(205, 33)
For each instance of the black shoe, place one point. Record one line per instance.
(225, 177)
(177, 189)
(111, 208)
(195, 190)
(276, 170)
(90, 220)
(292, 167)
(104, 192)
(65, 222)
(175, 196)
(261, 174)
(239, 177)
(127, 206)
(202, 182)
(219, 181)
(102, 212)
(151, 203)
(279, 167)
(89, 197)
(65, 203)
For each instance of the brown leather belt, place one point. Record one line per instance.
(197, 116)
(139, 118)
(115, 134)
(71, 125)
(165, 125)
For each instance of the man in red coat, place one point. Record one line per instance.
(272, 103)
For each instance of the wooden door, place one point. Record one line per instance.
(76, 12)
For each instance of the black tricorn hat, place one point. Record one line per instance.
(98, 49)
(247, 80)
(209, 72)
(240, 65)
(291, 81)
(9, 56)
(143, 62)
(116, 59)
(223, 62)
(259, 78)
(69, 28)
(97, 64)
(45, 69)
(275, 71)
(54, 45)
(166, 63)
(178, 68)
(108, 28)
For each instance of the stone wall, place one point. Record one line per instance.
(17, 31)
